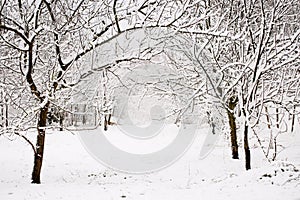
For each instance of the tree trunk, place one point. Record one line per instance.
(61, 121)
(2, 114)
(247, 149)
(108, 121)
(268, 118)
(38, 157)
(2, 122)
(84, 115)
(105, 122)
(293, 119)
(6, 113)
(232, 124)
(277, 118)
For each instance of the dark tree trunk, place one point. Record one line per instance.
(293, 119)
(4, 111)
(105, 123)
(232, 124)
(72, 115)
(84, 115)
(109, 120)
(61, 121)
(6, 114)
(277, 118)
(38, 157)
(247, 149)
(268, 118)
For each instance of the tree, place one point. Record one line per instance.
(269, 46)
(46, 42)
(238, 50)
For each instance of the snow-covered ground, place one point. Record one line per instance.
(69, 172)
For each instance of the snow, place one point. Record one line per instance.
(69, 172)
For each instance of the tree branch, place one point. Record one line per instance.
(15, 31)
(116, 16)
(27, 140)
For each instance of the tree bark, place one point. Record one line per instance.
(232, 124)
(6, 113)
(108, 121)
(293, 119)
(268, 118)
(84, 115)
(105, 123)
(38, 157)
(277, 118)
(61, 121)
(247, 149)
